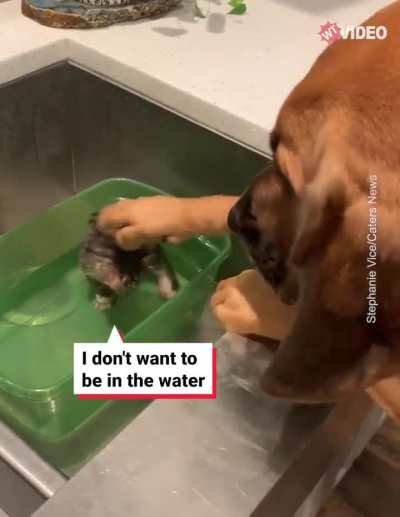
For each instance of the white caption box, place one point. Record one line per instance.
(144, 370)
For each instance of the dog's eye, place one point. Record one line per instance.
(251, 233)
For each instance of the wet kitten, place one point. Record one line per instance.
(116, 270)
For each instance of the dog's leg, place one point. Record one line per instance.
(247, 305)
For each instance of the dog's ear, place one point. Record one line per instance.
(324, 358)
(322, 210)
(329, 353)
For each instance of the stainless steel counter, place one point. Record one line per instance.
(221, 457)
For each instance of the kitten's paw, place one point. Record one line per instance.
(102, 303)
(166, 287)
(168, 293)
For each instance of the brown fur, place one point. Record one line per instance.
(340, 125)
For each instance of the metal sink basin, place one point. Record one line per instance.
(62, 130)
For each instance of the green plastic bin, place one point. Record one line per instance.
(46, 306)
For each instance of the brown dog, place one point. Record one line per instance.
(323, 222)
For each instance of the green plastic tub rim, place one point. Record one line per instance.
(40, 395)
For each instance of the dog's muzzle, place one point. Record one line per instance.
(264, 253)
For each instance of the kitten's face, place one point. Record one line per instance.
(106, 273)
(100, 260)
(116, 270)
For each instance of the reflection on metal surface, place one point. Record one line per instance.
(324, 460)
(28, 464)
(54, 142)
(214, 458)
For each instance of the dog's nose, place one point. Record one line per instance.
(234, 219)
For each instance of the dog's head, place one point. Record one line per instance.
(265, 219)
(307, 220)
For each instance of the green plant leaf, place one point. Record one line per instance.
(239, 9)
(235, 3)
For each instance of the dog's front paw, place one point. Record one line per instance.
(246, 304)
(232, 307)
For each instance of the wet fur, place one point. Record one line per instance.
(116, 270)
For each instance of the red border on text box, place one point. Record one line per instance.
(213, 395)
